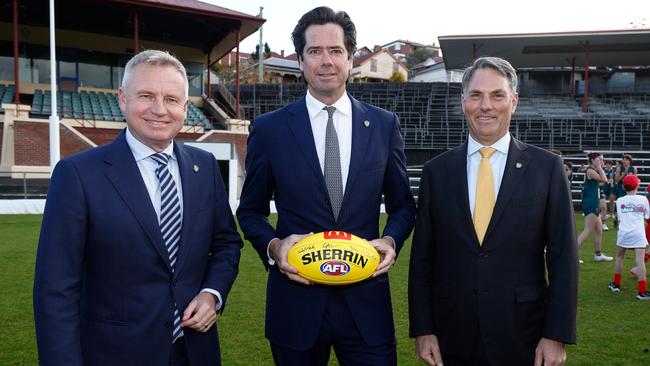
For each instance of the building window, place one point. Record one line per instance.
(373, 65)
(398, 47)
(395, 67)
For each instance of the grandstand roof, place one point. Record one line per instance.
(207, 27)
(630, 47)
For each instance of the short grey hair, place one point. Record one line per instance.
(500, 65)
(153, 58)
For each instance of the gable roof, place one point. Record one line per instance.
(358, 61)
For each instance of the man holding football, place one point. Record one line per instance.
(327, 160)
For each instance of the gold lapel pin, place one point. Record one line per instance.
(195, 168)
(519, 165)
(366, 123)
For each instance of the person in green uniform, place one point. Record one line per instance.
(605, 193)
(626, 168)
(594, 175)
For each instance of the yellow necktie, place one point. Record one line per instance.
(484, 194)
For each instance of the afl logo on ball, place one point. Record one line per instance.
(335, 268)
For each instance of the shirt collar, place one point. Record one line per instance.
(315, 106)
(502, 145)
(141, 151)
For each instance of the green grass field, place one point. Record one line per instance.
(613, 329)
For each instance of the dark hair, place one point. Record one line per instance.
(628, 157)
(591, 156)
(320, 16)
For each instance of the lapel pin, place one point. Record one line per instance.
(195, 168)
(366, 123)
(519, 165)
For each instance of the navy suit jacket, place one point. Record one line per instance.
(104, 291)
(282, 163)
(517, 287)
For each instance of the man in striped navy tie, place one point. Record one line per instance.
(138, 248)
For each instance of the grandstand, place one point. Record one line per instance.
(98, 106)
(94, 40)
(431, 115)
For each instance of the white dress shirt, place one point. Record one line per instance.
(147, 166)
(497, 162)
(142, 154)
(343, 124)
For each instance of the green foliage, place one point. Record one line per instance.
(612, 328)
(419, 55)
(267, 52)
(396, 77)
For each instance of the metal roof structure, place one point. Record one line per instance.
(629, 47)
(188, 23)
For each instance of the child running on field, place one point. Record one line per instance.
(632, 211)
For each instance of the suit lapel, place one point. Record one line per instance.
(457, 162)
(125, 176)
(516, 164)
(301, 129)
(360, 137)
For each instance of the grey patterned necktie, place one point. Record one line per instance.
(333, 178)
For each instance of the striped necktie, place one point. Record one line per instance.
(332, 171)
(170, 222)
(484, 204)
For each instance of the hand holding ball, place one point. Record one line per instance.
(334, 258)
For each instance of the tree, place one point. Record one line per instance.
(226, 73)
(267, 51)
(396, 77)
(419, 55)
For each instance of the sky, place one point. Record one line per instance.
(380, 22)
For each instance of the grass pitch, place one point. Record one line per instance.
(613, 329)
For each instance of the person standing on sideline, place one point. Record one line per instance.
(594, 176)
(138, 247)
(494, 281)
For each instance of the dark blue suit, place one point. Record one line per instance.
(104, 291)
(282, 163)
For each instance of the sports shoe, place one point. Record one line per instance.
(643, 295)
(580, 261)
(634, 272)
(602, 258)
(605, 228)
(614, 287)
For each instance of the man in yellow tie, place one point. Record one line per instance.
(479, 293)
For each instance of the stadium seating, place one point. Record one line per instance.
(97, 106)
(431, 115)
(6, 95)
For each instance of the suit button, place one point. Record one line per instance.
(174, 282)
(483, 255)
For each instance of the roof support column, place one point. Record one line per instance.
(585, 100)
(237, 73)
(209, 89)
(16, 66)
(572, 79)
(136, 33)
